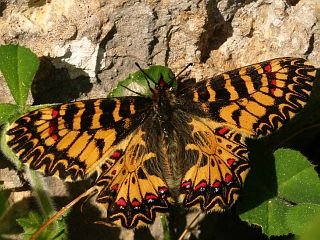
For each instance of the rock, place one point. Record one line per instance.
(105, 38)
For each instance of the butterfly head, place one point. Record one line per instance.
(145, 82)
(166, 79)
(162, 78)
(158, 78)
(162, 85)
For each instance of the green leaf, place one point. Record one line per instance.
(138, 81)
(44, 201)
(304, 213)
(6, 111)
(165, 227)
(34, 221)
(30, 223)
(18, 66)
(296, 200)
(297, 179)
(8, 151)
(313, 231)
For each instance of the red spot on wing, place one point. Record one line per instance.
(273, 86)
(55, 113)
(186, 184)
(55, 137)
(273, 82)
(223, 131)
(150, 197)
(162, 190)
(121, 202)
(52, 129)
(216, 184)
(116, 155)
(228, 178)
(267, 68)
(201, 185)
(272, 90)
(115, 187)
(135, 203)
(231, 161)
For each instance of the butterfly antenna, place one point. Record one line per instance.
(179, 81)
(139, 94)
(62, 211)
(146, 74)
(188, 65)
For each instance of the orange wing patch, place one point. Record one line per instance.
(213, 183)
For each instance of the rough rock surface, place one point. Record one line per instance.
(103, 39)
(86, 46)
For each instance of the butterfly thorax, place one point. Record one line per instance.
(163, 103)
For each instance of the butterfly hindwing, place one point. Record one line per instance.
(71, 140)
(256, 99)
(131, 194)
(214, 181)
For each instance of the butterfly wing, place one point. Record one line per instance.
(71, 140)
(250, 101)
(132, 189)
(256, 99)
(106, 135)
(219, 159)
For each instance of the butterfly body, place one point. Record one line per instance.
(183, 143)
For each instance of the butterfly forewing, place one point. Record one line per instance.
(71, 140)
(256, 99)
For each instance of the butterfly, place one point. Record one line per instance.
(184, 143)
